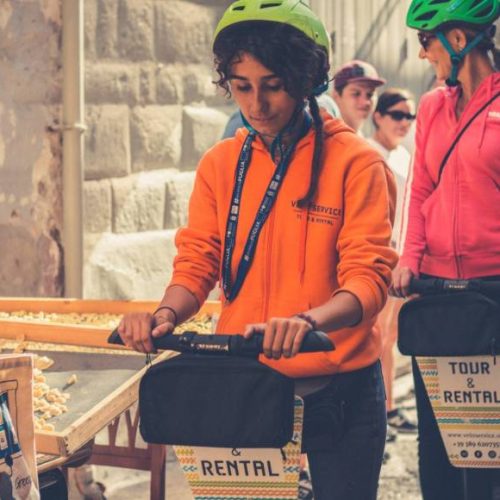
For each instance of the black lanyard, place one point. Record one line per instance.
(231, 290)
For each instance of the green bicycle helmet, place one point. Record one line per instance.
(429, 15)
(296, 13)
(435, 15)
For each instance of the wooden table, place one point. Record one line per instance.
(117, 404)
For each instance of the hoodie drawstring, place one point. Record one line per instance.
(304, 224)
(485, 117)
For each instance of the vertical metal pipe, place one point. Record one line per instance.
(73, 128)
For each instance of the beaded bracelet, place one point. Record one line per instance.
(171, 309)
(308, 319)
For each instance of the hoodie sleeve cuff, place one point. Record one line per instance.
(369, 295)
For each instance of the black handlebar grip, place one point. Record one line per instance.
(434, 285)
(167, 342)
(236, 345)
(490, 286)
(115, 338)
(426, 286)
(317, 341)
(314, 341)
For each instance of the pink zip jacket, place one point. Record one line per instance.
(453, 230)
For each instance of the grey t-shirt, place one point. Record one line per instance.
(235, 122)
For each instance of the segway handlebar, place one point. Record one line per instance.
(233, 345)
(436, 285)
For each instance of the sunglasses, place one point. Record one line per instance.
(400, 115)
(425, 39)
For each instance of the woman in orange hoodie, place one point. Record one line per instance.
(293, 216)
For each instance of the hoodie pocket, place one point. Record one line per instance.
(437, 212)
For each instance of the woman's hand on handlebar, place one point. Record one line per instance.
(282, 336)
(137, 329)
(401, 279)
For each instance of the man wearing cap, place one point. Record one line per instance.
(354, 91)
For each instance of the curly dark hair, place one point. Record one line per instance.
(291, 55)
(286, 51)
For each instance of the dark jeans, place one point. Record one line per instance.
(350, 469)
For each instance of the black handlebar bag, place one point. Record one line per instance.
(450, 324)
(216, 401)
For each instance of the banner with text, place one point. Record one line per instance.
(241, 474)
(465, 396)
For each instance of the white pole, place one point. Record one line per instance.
(73, 128)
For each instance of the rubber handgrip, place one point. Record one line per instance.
(314, 341)
(426, 285)
(237, 345)
(433, 285)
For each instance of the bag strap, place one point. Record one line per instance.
(461, 133)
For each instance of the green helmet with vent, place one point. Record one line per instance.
(429, 15)
(296, 13)
(436, 15)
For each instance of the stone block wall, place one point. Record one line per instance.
(151, 112)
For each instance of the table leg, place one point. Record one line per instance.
(158, 470)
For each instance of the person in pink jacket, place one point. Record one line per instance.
(453, 208)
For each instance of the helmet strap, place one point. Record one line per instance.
(320, 89)
(457, 57)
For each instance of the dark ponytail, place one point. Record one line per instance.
(317, 154)
(487, 44)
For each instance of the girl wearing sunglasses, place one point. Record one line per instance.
(452, 227)
(392, 118)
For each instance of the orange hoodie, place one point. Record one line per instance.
(303, 256)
